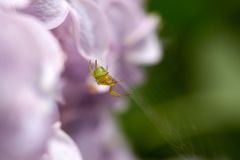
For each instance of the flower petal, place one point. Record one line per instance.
(146, 27)
(148, 51)
(124, 17)
(94, 29)
(99, 139)
(27, 109)
(51, 12)
(14, 3)
(61, 146)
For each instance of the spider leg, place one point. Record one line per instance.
(95, 64)
(112, 92)
(90, 67)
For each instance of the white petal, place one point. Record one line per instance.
(94, 87)
(147, 52)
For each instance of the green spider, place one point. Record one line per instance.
(102, 77)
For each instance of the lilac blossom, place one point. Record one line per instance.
(117, 33)
(103, 33)
(30, 65)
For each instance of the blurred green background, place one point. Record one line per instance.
(193, 95)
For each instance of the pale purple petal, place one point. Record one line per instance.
(14, 3)
(94, 29)
(61, 146)
(30, 68)
(51, 12)
(25, 123)
(46, 62)
(144, 29)
(124, 17)
(134, 36)
(99, 139)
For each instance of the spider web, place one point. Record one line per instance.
(183, 150)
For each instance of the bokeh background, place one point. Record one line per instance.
(192, 98)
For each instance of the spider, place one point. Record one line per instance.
(102, 77)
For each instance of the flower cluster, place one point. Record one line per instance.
(50, 106)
